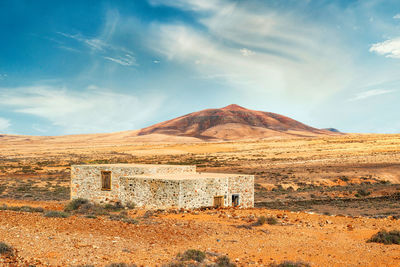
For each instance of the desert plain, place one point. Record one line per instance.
(324, 196)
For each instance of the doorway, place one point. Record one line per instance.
(235, 200)
(218, 201)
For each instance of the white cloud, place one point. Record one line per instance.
(370, 93)
(86, 111)
(389, 48)
(397, 16)
(246, 52)
(4, 125)
(290, 61)
(156, 61)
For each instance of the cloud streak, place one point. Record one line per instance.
(370, 93)
(86, 111)
(102, 45)
(127, 60)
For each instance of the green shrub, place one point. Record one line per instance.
(224, 261)
(56, 214)
(362, 192)
(22, 208)
(5, 249)
(75, 204)
(272, 220)
(193, 254)
(174, 264)
(92, 209)
(387, 238)
(130, 205)
(290, 264)
(121, 264)
(260, 221)
(123, 217)
(31, 209)
(263, 220)
(113, 207)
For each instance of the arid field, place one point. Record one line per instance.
(326, 196)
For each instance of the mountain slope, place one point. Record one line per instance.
(232, 122)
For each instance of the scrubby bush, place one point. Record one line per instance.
(117, 206)
(224, 261)
(92, 209)
(272, 220)
(263, 220)
(290, 264)
(75, 204)
(22, 208)
(362, 193)
(193, 254)
(121, 264)
(123, 217)
(130, 205)
(174, 264)
(56, 214)
(387, 238)
(31, 209)
(260, 221)
(5, 249)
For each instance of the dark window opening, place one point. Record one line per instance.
(235, 200)
(105, 180)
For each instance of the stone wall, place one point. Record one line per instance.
(150, 193)
(198, 193)
(86, 179)
(244, 186)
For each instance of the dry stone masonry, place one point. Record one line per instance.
(160, 186)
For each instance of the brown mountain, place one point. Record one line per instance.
(233, 122)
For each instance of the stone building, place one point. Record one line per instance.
(160, 186)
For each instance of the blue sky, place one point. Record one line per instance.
(69, 67)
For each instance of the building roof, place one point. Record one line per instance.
(186, 176)
(127, 165)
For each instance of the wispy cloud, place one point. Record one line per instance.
(389, 48)
(4, 125)
(102, 44)
(370, 93)
(126, 60)
(397, 16)
(290, 59)
(3, 76)
(93, 43)
(86, 111)
(246, 52)
(114, 53)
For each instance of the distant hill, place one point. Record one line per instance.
(231, 123)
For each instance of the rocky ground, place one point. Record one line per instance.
(353, 180)
(157, 238)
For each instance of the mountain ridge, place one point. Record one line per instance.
(244, 123)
